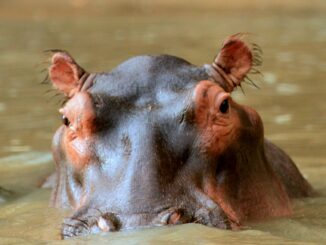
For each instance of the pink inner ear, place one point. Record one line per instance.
(235, 58)
(64, 73)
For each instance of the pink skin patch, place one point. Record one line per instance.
(220, 129)
(217, 129)
(79, 132)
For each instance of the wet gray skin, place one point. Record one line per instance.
(159, 141)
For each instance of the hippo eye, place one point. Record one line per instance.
(65, 120)
(224, 107)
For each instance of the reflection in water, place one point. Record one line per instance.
(287, 89)
(290, 101)
(282, 119)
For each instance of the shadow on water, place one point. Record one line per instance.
(101, 35)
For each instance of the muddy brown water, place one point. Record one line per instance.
(291, 101)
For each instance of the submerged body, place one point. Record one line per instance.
(160, 141)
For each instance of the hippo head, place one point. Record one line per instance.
(159, 141)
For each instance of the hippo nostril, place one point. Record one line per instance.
(108, 222)
(174, 218)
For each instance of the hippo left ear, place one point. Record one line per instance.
(235, 60)
(65, 73)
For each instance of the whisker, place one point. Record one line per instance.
(50, 90)
(70, 225)
(45, 62)
(45, 80)
(255, 71)
(55, 95)
(63, 101)
(257, 47)
(63, 235)
(250, 82)
(44, 70)
(241, 89)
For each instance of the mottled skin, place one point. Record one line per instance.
(160, 141)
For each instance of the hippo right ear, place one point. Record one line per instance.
(235, 59)
(65, 73)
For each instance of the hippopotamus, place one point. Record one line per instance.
(159, 141)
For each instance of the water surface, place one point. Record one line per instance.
(291, 100)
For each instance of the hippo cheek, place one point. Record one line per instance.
(79, 152)
(250, 130)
